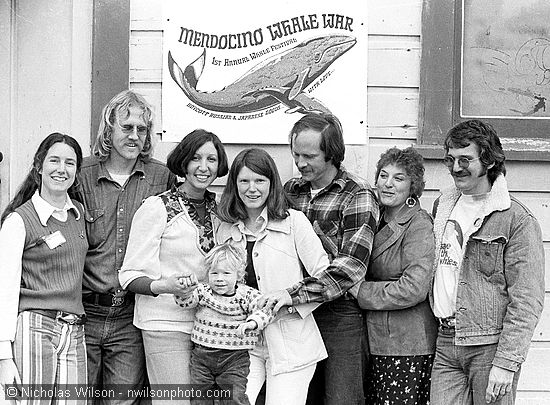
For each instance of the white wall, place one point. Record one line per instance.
(45, 76)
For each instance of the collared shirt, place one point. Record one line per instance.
(12, 242)
(344, 215)
(109, 209)
(45, 210)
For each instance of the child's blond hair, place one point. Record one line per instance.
(234, 255)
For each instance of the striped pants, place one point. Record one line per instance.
(49, 352)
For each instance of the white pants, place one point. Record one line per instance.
(281, 389)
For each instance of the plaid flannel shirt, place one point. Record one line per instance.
(345, 216)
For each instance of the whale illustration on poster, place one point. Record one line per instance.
(249, 76)
(279, 79)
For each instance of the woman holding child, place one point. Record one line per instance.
(281, 244)
(170, 236)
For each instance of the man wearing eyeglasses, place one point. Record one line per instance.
(488, 289)
(115, 179)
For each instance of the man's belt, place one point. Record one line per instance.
(118, 299)
(447, 323)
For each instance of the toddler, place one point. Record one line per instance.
(227, 321)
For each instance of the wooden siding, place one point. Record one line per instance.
(44, 80)
(393, 77)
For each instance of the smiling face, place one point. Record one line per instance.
(201, 170)
(58, 171)
(128, 137)
(222, 278)
(253, 189)
(393, 185)
(473, 179)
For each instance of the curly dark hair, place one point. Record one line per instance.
(486, 139)
(411, 161)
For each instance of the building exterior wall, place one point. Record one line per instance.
(34, 106)
(393, 76)
(45, 75)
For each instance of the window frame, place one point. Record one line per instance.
(439, 97)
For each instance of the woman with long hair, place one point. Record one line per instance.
(281, 247)
(42, 249)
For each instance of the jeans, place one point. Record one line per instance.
(114, 347)
(281, 389)
(221, 367)
(339, 378)
(168, 354)
(460, 373)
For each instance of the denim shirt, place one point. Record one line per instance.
(109, 209)
(500, 292)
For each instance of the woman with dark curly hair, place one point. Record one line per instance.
(401, 327)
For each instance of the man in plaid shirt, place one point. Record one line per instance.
(344, 213)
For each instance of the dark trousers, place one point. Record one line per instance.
(114, 349)
(222, 367)
(339, 378)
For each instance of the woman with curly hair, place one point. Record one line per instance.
(401, 327)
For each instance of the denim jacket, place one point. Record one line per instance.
(501, 282)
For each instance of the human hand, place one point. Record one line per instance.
(9, 375)
(500, 384)
(243, 327)
(175, 284)
(188, 281)
(274, 300)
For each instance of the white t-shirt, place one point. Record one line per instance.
(458, 229)
(315, 191)
(120, 178)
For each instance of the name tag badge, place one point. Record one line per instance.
(55, 239)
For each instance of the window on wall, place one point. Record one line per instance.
(488, 60)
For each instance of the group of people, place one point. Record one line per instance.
(326, 290)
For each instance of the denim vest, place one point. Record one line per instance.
(500, 291)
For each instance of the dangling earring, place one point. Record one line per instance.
(411, 202)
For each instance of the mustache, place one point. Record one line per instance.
(460, 173)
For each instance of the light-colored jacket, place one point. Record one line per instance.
(283, 250)
(501, 281)
(400, 321)
(158, 247)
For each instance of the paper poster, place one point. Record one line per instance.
(505, 59)
(248, 71)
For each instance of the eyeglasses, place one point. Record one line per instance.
(463, 162)
(129, 129)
